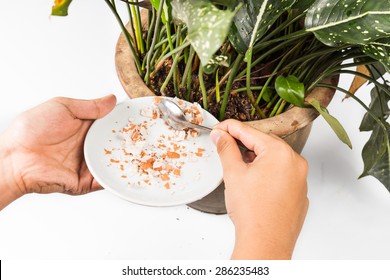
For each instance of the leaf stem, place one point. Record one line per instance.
(176, 50)
(381, 86)
(381, 122)
(169, 37)
(229, 84)
(217, 92)
(275, 109)
(131, 23)
(282, 60)
(248, 57)
(202, 87)
(188, 67)
(265, 55)
(377, 91)
(150, 52)
(138, 28)
(285, 39)
(127, 36)
(176, 78)
(150, 30)
(171, 71)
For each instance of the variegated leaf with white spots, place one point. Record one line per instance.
(216, 61)
(379, 50)
(254, 19)
(339, 22)
(207, 25)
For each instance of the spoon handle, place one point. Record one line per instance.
(242, 147)
(192, 125)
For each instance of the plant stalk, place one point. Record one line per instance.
(249, 93)
(139, 27)
(381, 122)
(176, 50)
(229, 84)
(217, 92)
(150, 52)
(202, 87)
(131, 23)
(188, 68)
(127, 36)
(171, 71)
(150, 32)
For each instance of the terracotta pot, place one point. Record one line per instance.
(293, 125)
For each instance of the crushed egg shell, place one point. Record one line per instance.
(161, 161)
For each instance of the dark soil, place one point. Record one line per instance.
(238, 107)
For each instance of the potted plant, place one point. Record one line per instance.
(264, 62)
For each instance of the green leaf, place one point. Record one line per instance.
(254, 19)
(167, 9)
(60, 7)
(376, 155)
(333, 122)
(267, 94)
(155, 4)
(207, 25)
(379, 50)
(214, 62)
(338, 22)
(291, 90)
(379, 107)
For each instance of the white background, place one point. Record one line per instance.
(43, 57)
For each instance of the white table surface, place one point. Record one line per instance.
(43, 57)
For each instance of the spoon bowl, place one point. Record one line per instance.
(175, 118)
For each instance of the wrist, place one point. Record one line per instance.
(10, 189)
(260, 243)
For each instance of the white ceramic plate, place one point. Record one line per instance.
(197, 178)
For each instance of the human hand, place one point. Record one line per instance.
(267, 198)
(43, 148)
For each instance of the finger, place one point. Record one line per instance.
(95, 186)
(228, 151)
(253, 139)
(87, 182)
(88, 109)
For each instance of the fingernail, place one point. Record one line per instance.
(215, 134)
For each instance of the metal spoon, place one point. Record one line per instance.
(174, 116)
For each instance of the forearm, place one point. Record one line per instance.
(9, 190)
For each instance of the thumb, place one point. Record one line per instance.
(227, 148)
(89, 109)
